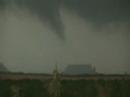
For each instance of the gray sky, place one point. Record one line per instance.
(35, 35)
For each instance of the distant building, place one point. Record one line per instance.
(79, 69)
(3, 68)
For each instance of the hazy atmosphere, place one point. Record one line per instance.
(37, 34)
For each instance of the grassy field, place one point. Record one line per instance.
(70, 88)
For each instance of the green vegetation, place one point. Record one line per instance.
(79, 88)
(70, 88)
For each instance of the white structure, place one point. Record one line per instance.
(79, 69)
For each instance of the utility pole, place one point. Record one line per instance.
(55, 85)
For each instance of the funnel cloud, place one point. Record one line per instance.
(36, 34)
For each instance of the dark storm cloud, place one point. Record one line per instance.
(101, 11)
(48, 9)
(96, 11)
(2, 3)
(27, 42)
(44, 9)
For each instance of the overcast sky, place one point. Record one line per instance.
(37, 34)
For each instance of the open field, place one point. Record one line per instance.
(36, 85)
